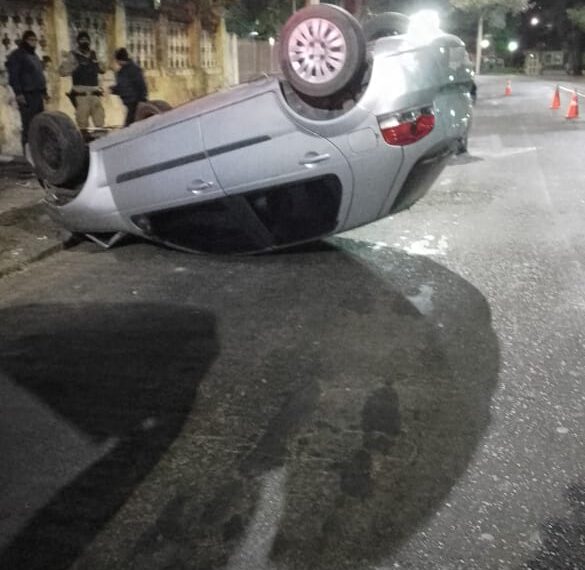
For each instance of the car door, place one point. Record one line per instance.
(160, 168)
(256, 149)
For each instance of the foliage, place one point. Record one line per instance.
(264, 18)
(566, 21)
(483, 6)
(577, 16)
(210, 12)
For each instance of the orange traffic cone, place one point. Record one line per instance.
(556, 102)
(508, 90)
(573, 110)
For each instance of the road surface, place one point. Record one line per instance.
(406, 395)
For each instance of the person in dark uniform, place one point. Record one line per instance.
(26, 77)
(473, 91)
(130, 85)
(83, 66)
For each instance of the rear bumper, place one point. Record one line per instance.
(421, 177)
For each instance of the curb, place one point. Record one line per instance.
(27, 235)
(24, 264)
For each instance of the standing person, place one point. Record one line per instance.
(26, 77)
(130, 85)
(83, 66)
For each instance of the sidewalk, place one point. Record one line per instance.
(27, 234)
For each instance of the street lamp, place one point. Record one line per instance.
(424, 24)
(534, 21)
(485, 43)
(512, 46)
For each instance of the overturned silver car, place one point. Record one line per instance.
(357, 127)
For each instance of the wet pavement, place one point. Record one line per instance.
(408, 395)
(298, 406)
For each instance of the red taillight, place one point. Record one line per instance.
(402, 130)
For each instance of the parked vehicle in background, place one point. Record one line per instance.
(352, 131)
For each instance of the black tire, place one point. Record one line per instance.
(473, 92)
(150, 108)
(57, 148)
(461, 147)
(301, 72)
(384, 25)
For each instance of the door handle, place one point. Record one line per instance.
(198, 186)
(312, 158)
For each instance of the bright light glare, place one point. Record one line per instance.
(485, 44)
(534, 21)
(513, 46)
(424, 25)
(271, 41)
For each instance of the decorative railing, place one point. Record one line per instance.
(179, 47)
(141, 41)
(208, 52)
(13, 23)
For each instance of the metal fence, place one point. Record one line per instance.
(256, 57)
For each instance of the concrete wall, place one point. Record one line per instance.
(165, 82)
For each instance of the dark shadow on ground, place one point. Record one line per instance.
(122, 372)
(563, 541)
(353, 388)
(17, 168)
(464, 158)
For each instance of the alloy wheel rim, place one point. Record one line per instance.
(317, 50)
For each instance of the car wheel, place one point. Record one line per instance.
(322, 50)
(147, 109)
(384, 25)
(461, 146)
(58, 151)
(473, 92)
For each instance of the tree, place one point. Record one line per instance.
(564, 20)
(209, 12)
(482, 9)
(577, 18)
(354, 7)
(262, 18)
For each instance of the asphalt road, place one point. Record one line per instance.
(407, 395)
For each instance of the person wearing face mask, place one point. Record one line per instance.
(26, 77)
(83, 66)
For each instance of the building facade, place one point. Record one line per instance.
(180, 44)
